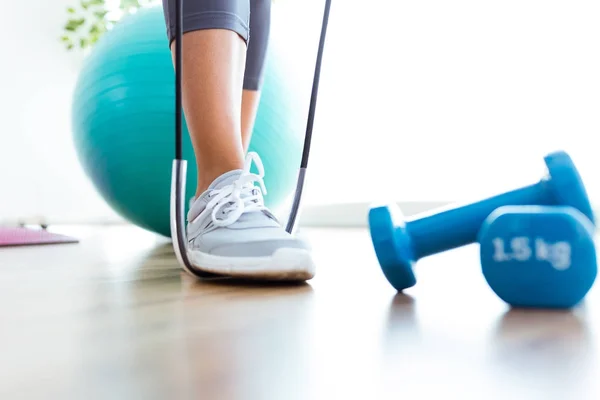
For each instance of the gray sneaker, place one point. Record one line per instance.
(231, 232)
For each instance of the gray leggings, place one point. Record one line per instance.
(251, 19)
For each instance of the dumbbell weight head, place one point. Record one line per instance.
(399, 244)
(538, 256)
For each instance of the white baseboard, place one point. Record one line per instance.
(354, 215)
(61, 220)
(329, 215)
(344, 215)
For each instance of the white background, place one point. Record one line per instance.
(39, 171)
(452, 100)
(419, 101)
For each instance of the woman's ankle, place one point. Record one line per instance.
(207, 174)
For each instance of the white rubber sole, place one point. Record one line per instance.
(285, 264)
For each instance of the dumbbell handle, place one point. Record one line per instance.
(448, 229)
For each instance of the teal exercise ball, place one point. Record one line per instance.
(123, 122)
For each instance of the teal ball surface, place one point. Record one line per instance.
(124, 122)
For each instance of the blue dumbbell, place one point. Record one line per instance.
(538, 256)
(398, 244)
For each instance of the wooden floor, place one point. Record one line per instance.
(114, 318)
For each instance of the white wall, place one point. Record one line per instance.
(39, 172)
(452, 100)
(419, 106)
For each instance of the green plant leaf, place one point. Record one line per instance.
(73, 24)
(97, 16)
(66, 40)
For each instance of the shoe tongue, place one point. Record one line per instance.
(246, 220)
(226, 179)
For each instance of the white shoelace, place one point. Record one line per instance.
(239, 197)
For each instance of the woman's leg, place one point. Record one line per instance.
(260, 25)
(230, 231)
(213, 65)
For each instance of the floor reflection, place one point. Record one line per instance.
(259, 350)
(401, 329)
(204, 338)
(545, 349)
(401, 313)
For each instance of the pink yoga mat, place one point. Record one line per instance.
(15, 236)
